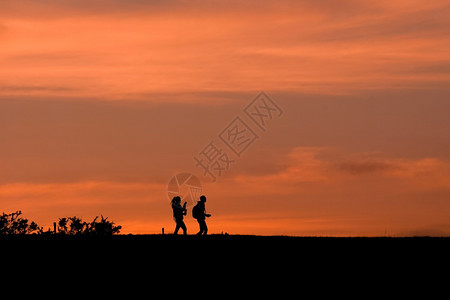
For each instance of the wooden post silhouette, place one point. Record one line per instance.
(54, 227)
(163, 231)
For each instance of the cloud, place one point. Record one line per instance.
(325, 166)
(442, 67)
(365, 167)
(35, 88)
(63, 8)
(386, 22)
(301, 166)
(75, 193)
(220, 46)
(423, 173)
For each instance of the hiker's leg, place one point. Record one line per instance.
(202, 228)
(176, 228)
(200, 225)
(183, 226)
(205, 228)
(180, 224)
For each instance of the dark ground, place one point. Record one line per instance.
(222, 237)
(230, 257)
(243, 243)
(225, 239)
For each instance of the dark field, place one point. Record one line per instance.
(226, 238)
(214, 253)
(219, 240)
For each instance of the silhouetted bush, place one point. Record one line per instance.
(104, 227)
(76, 226)
(13, 224)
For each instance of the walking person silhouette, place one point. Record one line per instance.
(199, 213)
(178, 214)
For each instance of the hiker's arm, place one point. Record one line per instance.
(181, 209)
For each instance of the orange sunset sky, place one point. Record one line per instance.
(103, 101)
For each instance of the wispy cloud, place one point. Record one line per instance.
(178, 46)
(308, 164)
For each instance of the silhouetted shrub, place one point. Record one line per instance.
(62, 225)
(104, 227)
(14, 224)
(76, 226)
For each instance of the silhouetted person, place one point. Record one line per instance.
(199, 213)
(178, 214)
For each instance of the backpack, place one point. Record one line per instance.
(197, 211)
